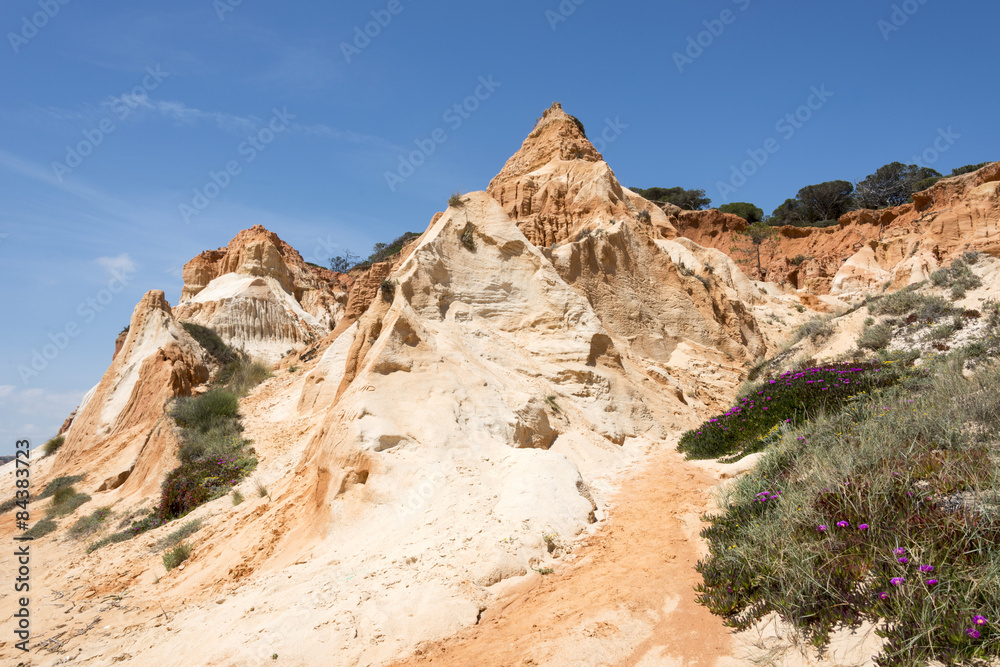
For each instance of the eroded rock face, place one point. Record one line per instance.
(120, 427)
(260, 296)
(869, 249)
(558, 185)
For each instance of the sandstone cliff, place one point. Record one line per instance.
(260, 296)
(869, 249)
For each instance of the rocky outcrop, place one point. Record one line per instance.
(120, 426)
(260, 296)
(870, 249)
(557, 185)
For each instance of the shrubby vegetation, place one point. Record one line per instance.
(689, 200)
(883, 509)
(788, 399)
(53, 445)
(380, 253)
(214, 455)
(745, 210)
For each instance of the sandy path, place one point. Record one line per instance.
(627, 597)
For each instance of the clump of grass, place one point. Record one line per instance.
(920, 307)
(89, 524)
(58, 483)
(237, 497)
(468, 237)
(65, 500)
(41, 528)
(212, 343)
(388, 290)
(884, 511)
(786, 400)
(176, 556)
(262, 491)
(204, 412)
(816, 330)
(242, 375)
(178, 536)
(455, 200)
(959, 277)
(53, 445)
(876, 337)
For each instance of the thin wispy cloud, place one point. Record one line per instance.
(117, 266)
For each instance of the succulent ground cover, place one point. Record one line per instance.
(884, 510)
(790, 398)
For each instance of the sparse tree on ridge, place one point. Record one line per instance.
(757, 243)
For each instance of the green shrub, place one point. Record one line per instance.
(787, 399)
(959, 277)
(799, 260)
(89, 524)
(942, 331)
(178, 536)
(58, 483)
(53, 445)
(220, 440)
(468, 237)
(876, 338)
(921, 307)
(65, 501)
(242, 375)
(176, 556)
(212, 343)
(455, 201)
(388, 290)
(196, 482)
(816, 330)
(149, 522)
(883, 512)
(40, 529)
(207, 410)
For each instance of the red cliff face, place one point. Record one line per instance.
(906, 242)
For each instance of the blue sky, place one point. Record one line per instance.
(114, 114)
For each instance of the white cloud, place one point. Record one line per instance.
(122, 265)
(6, 390)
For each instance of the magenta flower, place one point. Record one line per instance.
(932, 582)
(897, 581)
(899, 551)
(821, 528)
(972, 632)
(883, 596)
(979, 620)
(926, 568)
(903, 560)
(843, 524)
(863, 526)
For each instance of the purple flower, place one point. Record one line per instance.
(979, 620)
(821, 528)
(843, 524)
(972, 632)
(904, 560)
(863, 526)
(897, 581)
(926, 568)
(899, 551)
(932, 582)
(883, 596)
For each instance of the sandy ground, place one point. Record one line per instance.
(627, 596)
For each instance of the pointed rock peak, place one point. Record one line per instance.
(254, 252)
(152, 300)
(558, 186)
(557, 136)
